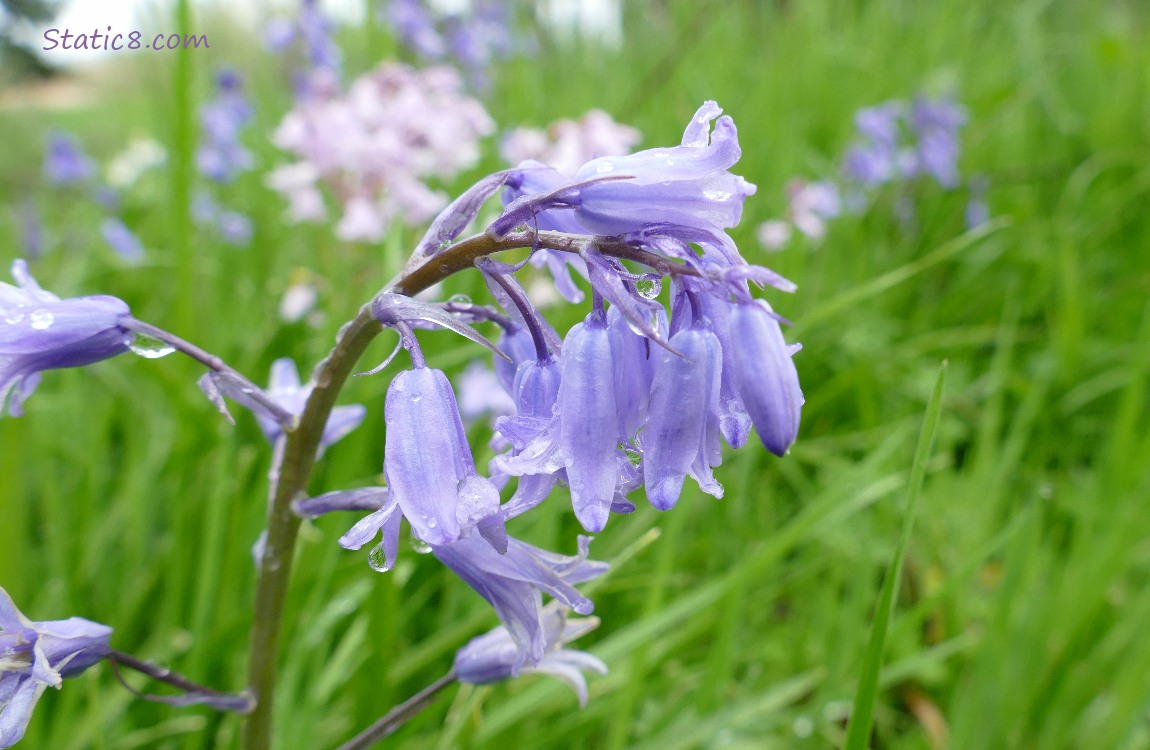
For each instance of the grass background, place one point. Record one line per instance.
(738, 623)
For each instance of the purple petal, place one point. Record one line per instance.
(588, 421)
(765, 376)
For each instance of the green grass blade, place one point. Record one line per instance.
(862, 715)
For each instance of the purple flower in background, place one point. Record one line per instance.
(121, 239)
(38, 655)
(65, 163)
(220, 156)
(285, 388)
(977, 209)
(31, 230)
(471, 35)
(936, 123)
(513, 583)
(314, 31)
(491, 657)
(39, 331)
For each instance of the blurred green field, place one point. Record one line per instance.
(738, 623)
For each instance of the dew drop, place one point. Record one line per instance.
(634, 456)
(149, 348)
(377, 559)
(459, 299)
(649, 288)
(41, 320)
(421, 547)
(13, 318)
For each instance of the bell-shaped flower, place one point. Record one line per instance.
(285, 389)
(682, 433)
(765, 375)
(588, 420)
(491, 657)
(533, 432)
(39, 331)
(38, 655)
(513, 583)
(734, 422)
(428, 464)
(632, 370)
(689, 185)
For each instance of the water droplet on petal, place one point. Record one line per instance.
(649, 288)
(149, 348)
(377, 559)
(41, 320)
(13, 318)
(421, 547)
(459, 299)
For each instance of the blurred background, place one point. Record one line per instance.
(959, 180)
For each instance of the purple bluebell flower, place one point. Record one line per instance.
(413, 23)
(765, 375)
(235, 228)
(682, 433)
(38, 655)
(122, 240)
(65, 163)
(221, 156)
(39, 331)
(589, 421)
(428, 464)
(977, 209)
(491, 657)
(688, 185)
(285, 389)
(31, 230)
(936, 122)
(481, 393)
(513, 583)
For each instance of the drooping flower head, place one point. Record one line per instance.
(285, 389)
(514, 582)
(39, 331)
(491, 657)
(38, 655)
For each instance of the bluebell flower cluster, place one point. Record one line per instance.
(630, 397)
(472, 36)
(221, 156)
(896, 143)
(65, 164)
(37, 655)
(314, 32)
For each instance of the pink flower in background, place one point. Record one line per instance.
(376, 146)
(567, 145)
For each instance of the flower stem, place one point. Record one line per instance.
(302, 442)
(399, 715)
(194, 693)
